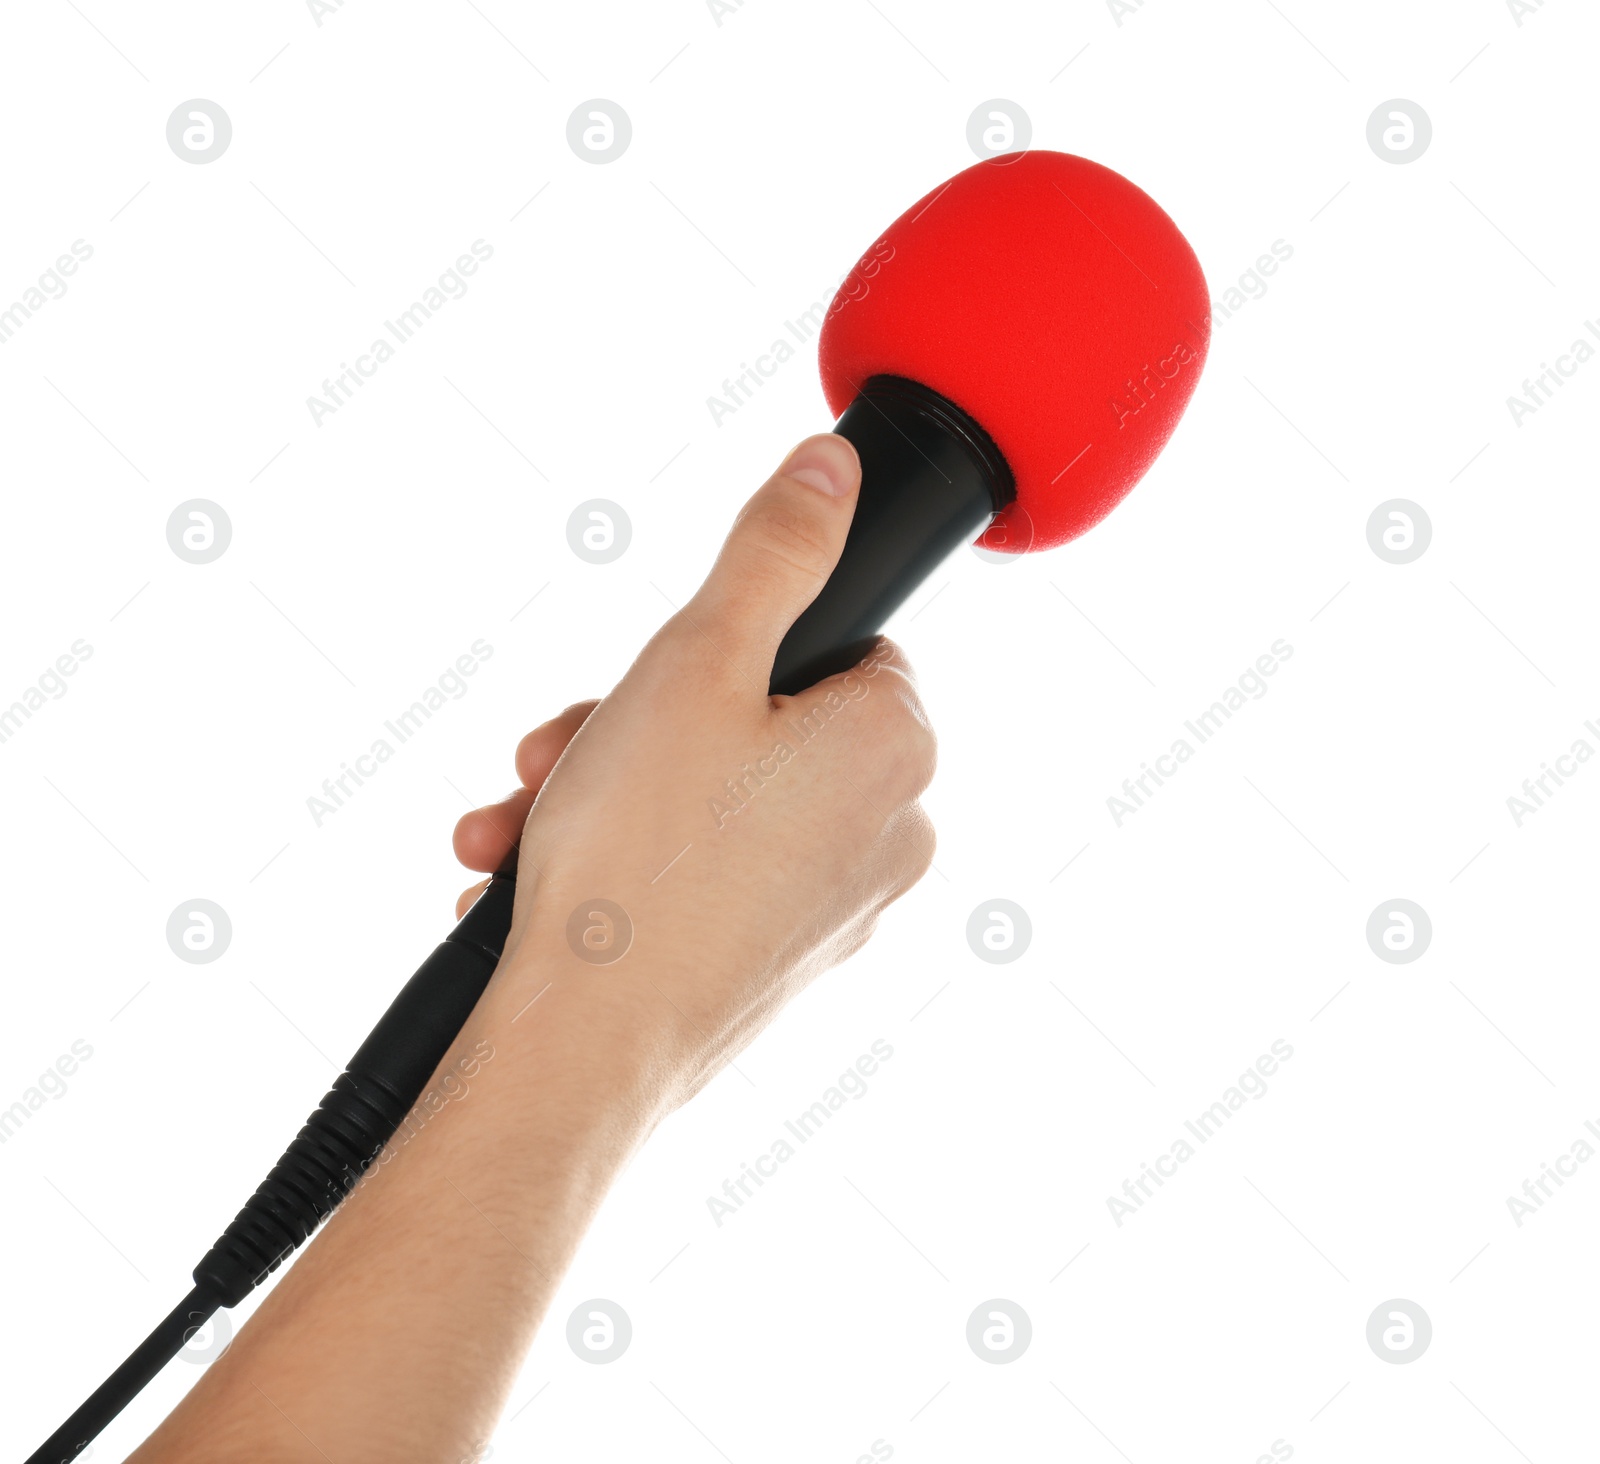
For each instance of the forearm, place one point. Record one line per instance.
(400, 1331)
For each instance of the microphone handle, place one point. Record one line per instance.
(931, 478)
(367, 1103)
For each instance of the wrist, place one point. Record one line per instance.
(570, 1041)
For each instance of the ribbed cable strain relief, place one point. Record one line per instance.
(328, 1156)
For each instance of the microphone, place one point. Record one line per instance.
(1008, 359)
(1017, 347)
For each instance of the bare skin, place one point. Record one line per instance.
(752, 843)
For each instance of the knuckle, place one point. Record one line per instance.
(692, 647)
(910, 745)
(925, 749)
(778, 528)
(924, 842)
(888, 660)
(913, 843)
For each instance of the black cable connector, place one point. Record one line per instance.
(338, 1144)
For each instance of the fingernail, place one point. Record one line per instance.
(827, 463)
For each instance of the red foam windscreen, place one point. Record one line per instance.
(1055, 303)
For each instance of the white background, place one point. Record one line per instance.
(372, 550)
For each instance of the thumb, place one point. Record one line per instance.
(781, 549)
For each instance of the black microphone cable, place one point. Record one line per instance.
(129, 1380)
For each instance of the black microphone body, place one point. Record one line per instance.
(931, 478)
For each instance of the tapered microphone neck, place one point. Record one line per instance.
(931, 478)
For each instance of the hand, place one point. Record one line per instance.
(744, 843)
